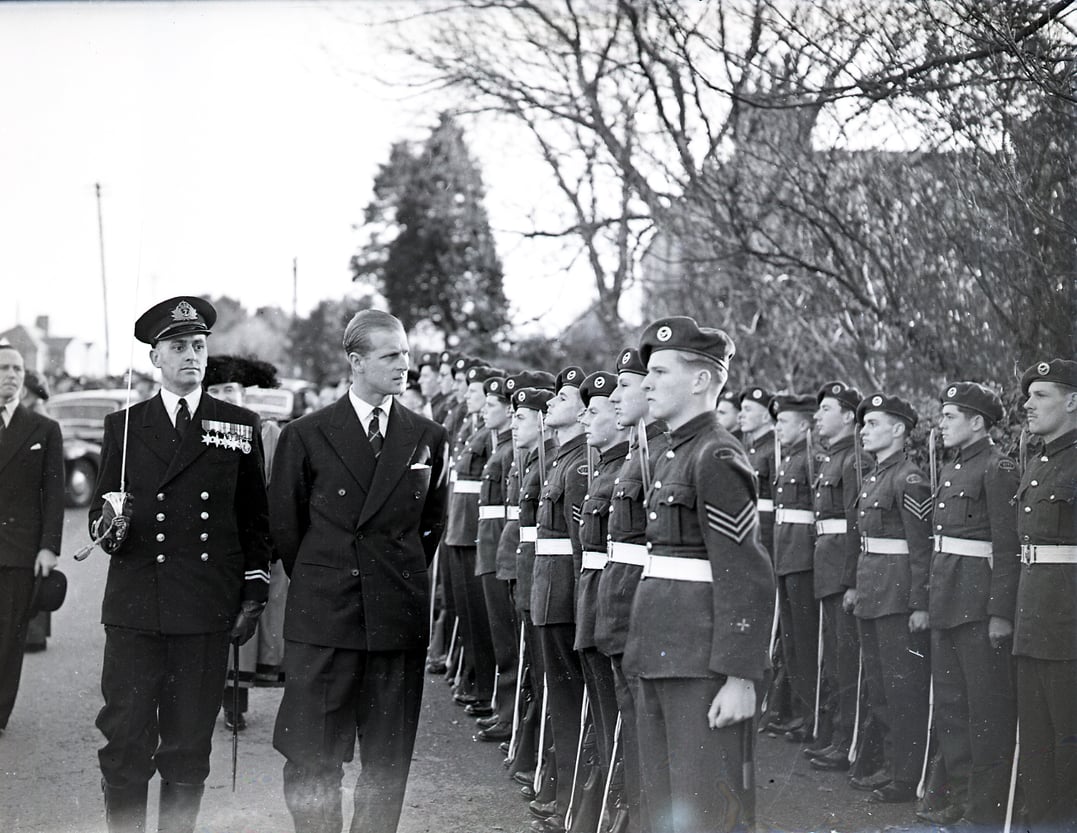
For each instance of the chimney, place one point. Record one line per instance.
(42, 323)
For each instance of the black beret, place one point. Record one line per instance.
(848, 398)
(680, 332)
(975, 397)
(792, 402)
(49, 592)
(429, 359)
(250, 373)
(1059, 371)
(730, 396)
(447, 357)
(628, 361)
(36, 385)
(530, 379)
(533, 399)
(570, 377)
(481, 372)
(464, 363)
(183, 315)
(893, 405)
(599, 383)
(758, 395)
(496, 386)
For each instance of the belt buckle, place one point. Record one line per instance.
(1028, 554)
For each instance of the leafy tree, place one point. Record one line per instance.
(317, 354)
(430, 251)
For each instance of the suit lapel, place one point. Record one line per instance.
(15, 435)
(345, 434)
(157, 432)
(191, 447)
(400, 439)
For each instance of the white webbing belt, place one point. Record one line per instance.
(594, 560)
(831, 526)
(765, 505)
(491, 513)
(1048, 554)
(963, 546)
(528, 534)
(553, 546)
(624, 553)
(512, 513)
(794, 516)
(678, 569)
(466, 487)
(886, 546)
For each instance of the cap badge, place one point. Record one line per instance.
(510, 384)
(600, 382)
(626, 357)
(521, 396)
(876, 401)
(1043, 368)
(570, 375)
(184, 312)
(494, 386)
(951, 392)
(757, 394)
(664, 334)
(836, 389)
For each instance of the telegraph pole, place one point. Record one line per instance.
(104, 281)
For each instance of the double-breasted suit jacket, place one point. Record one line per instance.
(356, 533)
(198, 541)
(31, 488)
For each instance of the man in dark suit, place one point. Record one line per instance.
(188, 574)
(31, 516)
(358, 502)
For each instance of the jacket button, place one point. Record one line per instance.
(355, 572)
(204, 536)
(653, 516)
(160, 537)
(406, 574)
(417, 495)
(204, 556)
(342, 492)
(204, 495)
(160, 516)
(205, 516)
(160, 495)
(359, 536)
(160, 559)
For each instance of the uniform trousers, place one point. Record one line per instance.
(162, 694)
(504, 637)
(16, 589)
(598, 678)
(841, 665)
(331, 696)
(564, 682)
(799, 619)
(975, 717)
(479, 663)
(692, 775)
(1047, 710)
(625, 689)
(898, 674)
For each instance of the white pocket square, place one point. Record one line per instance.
(419, 466)
(35, 447)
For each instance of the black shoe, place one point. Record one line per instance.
(499, 731)
(868, 783)
(435, 666)
(235, 722)
(835, 760)
(504, 747)
(465, 699)
(817, 751)
(552, 824)
(480, 709)
(487, 722)
(942, 816)
(524, 779)
(543, 809)
(799, 735)
(896, 792)
(776, 727)
(527, 792)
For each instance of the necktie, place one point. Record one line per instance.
(183, 418)
(374, 432)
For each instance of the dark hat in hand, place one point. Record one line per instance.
(974, 397)
(48, 593)
(183, 315)
(679, 332)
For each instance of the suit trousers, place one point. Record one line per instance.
(841, 665)
(162, 694)
(331, 696)
(504, 636)
(16, 589)
(898, 674)
(975, 718)
(625, 689)
(564, 681)
(1047, 710)
(799, 618)
(479, 663)
(692, 775)
(598, 679)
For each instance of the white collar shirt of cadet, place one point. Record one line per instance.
(703, 506)
(894, 505)
(1046, 624)
(974, 502)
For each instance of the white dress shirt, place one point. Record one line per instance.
(171, 402)
(8, 410)
(364, 410)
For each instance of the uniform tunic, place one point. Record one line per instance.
(893, 511)
(685, 637)
(492, 496)
(974, 702)
(509, 540)
(1045, 635)
(761, 458)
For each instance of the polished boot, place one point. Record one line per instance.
(492, 734)
(179, 807)
(835, 760)
(125, 808)
(896, 792)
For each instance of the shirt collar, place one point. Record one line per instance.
(840, 443)
(696, 425)
(614, 453)
(1067, 439)
(972, 449)
(171, 401)
(363, 409)
(8, 410)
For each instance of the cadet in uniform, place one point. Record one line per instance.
(189, 571)
(430, 385)
(757, 435)
(836, 542)
(971, 597)
(599, 421)
(558, 558)
(627, 556)
(1045, 630)
(729, 412)
(890, 593)
(701, 618)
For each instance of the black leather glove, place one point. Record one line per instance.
(247, 621)
(111, 529)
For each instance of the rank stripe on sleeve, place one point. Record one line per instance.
(919, 508)
(735, 527)
(256, 575)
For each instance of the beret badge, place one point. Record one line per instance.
(664, 334)
(1043, 368)
(951, 392)
(876, 401)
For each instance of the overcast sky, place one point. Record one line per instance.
(228, 138)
